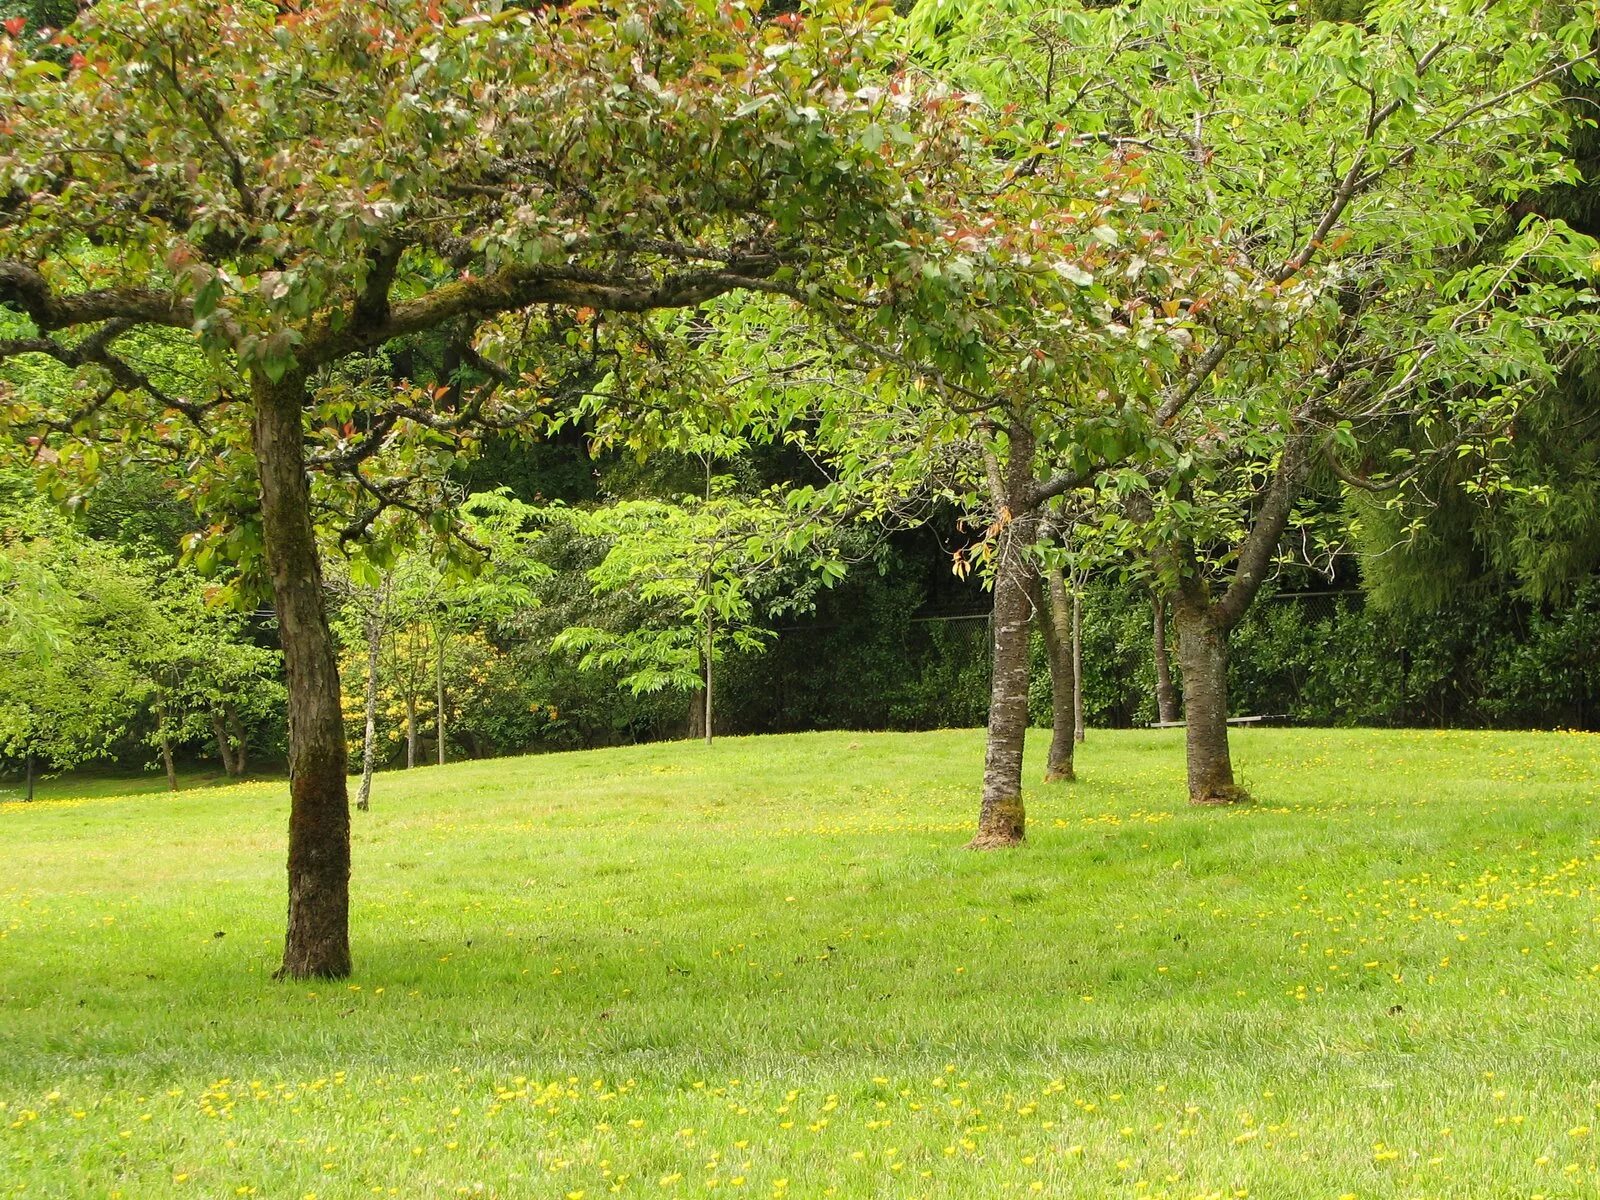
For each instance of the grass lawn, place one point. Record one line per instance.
(768, 969)
(97, 784)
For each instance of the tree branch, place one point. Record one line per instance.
(1262, 541)
(519, 287)
(24, 287)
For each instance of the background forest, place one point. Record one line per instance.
(1458, 612)
(899, 643)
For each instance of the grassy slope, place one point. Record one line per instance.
(769, 969)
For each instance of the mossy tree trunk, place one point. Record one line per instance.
(317, 941)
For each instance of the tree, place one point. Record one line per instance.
(402, 619)
(1056, 308)
(206, 676)
(77, 615)
(101, 643)
(290, 188)
(712, 571)
(1358, 192)
(366, 612)
(1166, 693)
(35, 615)
(1054, 611)
(1072, 549)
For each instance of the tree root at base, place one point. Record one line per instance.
(1220, 797)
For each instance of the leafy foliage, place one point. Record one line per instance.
(709, 570)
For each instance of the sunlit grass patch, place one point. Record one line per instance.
(768, 968)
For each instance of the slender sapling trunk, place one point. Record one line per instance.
(1055, 620)
(1077, 666)
(1166, 694)
(411, 732)
(166, 748)
(709, 635)
(438, 690)
(369, 734)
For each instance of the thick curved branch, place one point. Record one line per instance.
(372, 305)
(24, 287)
(519, 287)
(1272, 518)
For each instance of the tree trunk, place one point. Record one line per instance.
(30, 776)
(708, 689)
(1204, 626)
(411, 732)
(1203, 653)
(166, 749)
(241, 744)
(697, 713)
(1001, 818)
(1166, 694)
(219, 730)
(317, 940)
(1077, 667)
(438, 690)
(369, 735)
(1055, 621)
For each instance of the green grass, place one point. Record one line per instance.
(97, 783)
(769, 969)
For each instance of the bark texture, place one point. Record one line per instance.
(1055, 625)
(1203, 652)
(1001, 817)
(697, 714)
(317, 940)
(1204, 624)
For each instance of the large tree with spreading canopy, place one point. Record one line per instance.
(268, 194)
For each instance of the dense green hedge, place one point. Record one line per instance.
(1321, 659)
(1479, 661)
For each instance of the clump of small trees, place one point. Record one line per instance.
(101, 648)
